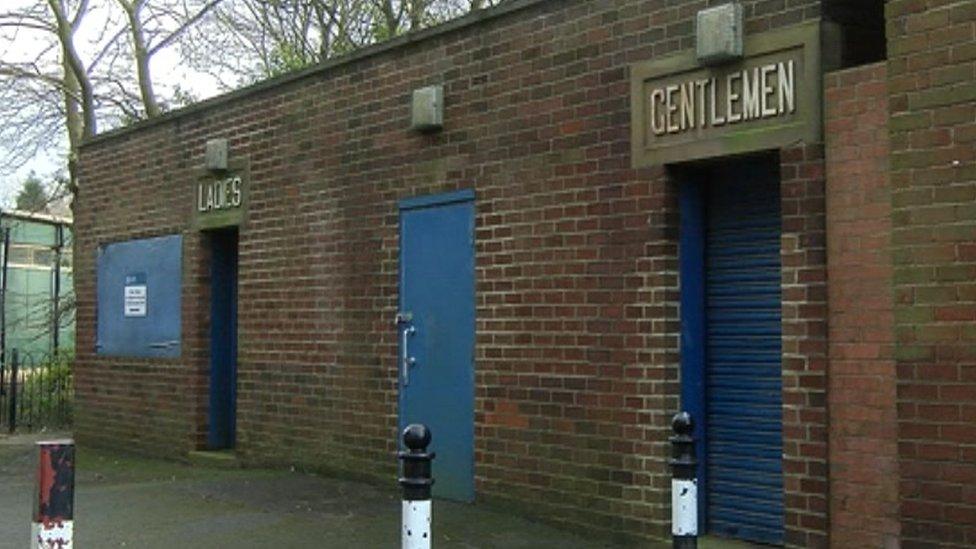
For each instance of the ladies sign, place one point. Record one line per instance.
(220, 200)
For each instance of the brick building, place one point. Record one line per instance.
(605, 230)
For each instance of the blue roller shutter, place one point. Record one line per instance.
(743, 365)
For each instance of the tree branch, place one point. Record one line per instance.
(182, 28)
(73, 62)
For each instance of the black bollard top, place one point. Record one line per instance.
(416, 478)
(683, 461)
(416, 437)
(682, 424)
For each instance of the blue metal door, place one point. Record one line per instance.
(436, 329)
(140, 296)
(223, 339)
(743, 349)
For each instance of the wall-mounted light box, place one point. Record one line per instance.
(719, 33)
(427, 109)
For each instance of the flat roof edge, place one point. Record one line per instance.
(37, 216)
(422, 35)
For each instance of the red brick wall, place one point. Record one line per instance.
(932, 100)
(804, 345)
(142, 405)
(863, 423)
(577, 324)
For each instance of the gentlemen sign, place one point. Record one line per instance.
(771, 98)
(220, 199)
(752, 94)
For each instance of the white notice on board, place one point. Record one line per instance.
(135, 300)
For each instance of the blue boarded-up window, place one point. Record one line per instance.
(139, 291)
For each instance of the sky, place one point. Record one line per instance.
(166, 70)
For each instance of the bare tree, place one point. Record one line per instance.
(91, 60)
(68, 86)
(50, 89)
(152, 27)
(264, 38)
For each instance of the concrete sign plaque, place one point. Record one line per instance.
(682, 111)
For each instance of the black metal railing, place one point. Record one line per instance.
(35, 392)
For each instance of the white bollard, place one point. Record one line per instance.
(416, 525)
(684, 484)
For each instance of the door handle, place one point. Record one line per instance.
(402, 318)
(408, 360)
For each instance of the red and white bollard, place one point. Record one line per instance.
(54, 502)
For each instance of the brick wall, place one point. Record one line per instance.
(577, 324)
(932, 100)
(804, 272)
(863, 423)
(142, 405)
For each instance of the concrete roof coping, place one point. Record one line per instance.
(412, 37)
(37, 216)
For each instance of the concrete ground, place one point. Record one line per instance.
(124, 501)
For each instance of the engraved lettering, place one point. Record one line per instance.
(702, 85)
(787, 88)
(732, 97)
(766, 71)
(750, 95)
(201, 207)
(673, 126)
(657, 124)
(687, 106)
(716, 120)
(237, 196)
(220, 195)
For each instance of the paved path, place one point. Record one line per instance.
(134, 502)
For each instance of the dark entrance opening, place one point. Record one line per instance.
(223, 339)
(731, 350)
(862, 26)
